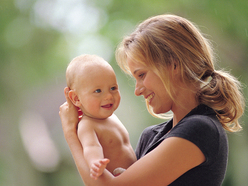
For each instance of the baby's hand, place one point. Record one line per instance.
(98, 167)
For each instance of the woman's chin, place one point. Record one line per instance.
(159, 111)
(156, 111)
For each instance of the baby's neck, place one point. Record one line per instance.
(93, 117)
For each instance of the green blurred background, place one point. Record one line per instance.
(37, 40)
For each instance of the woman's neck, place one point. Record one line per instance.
(184, 104)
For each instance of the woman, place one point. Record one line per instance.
(173, 66)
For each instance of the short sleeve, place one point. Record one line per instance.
(202, 131)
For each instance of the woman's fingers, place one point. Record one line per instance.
(63, 107)
(118, 171)
(66, 92)
(70, 104)
(68, 113)
(80, 113)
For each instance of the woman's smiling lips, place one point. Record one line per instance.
(149, 97)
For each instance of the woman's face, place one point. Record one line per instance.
(151, 87)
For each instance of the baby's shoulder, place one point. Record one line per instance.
(114, 119)
(86, 124)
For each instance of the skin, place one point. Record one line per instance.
(96, 91)
(172, 158)
(103, 137)
(150, 86)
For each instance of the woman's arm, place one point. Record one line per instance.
(69, 116)
(172, 158)
(69, 119)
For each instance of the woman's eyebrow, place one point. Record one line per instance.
(136, 71)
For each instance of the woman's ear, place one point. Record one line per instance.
(175, 67)
(74, 98)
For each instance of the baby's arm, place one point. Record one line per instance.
(93, 151)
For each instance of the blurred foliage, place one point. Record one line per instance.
(39, 37)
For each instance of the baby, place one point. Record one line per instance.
(94, 89)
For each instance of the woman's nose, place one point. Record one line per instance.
(139, 90)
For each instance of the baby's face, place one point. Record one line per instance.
(98, 92)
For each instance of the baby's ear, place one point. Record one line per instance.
(74, 98)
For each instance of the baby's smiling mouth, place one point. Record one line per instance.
(107, 106)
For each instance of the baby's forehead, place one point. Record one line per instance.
(87, 67)
(80, 64)
(93, 69)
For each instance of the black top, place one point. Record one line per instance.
(201, 127)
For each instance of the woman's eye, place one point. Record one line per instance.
(98, 91)
(142, 75)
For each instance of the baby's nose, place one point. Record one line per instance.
(109, 96)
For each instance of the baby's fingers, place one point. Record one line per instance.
(94, 173)
(104, 161)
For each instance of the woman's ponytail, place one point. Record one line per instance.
(223, 94)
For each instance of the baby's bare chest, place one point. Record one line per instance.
(112, 137)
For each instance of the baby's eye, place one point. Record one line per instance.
(98, 91)
(113, 88)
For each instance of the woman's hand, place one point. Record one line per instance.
(70, 115)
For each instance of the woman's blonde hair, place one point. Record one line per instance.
(163, 41)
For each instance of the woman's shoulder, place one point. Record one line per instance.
(154, 129)
(201, 121)
(207, 122)
(201, 118)
(199, 126)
